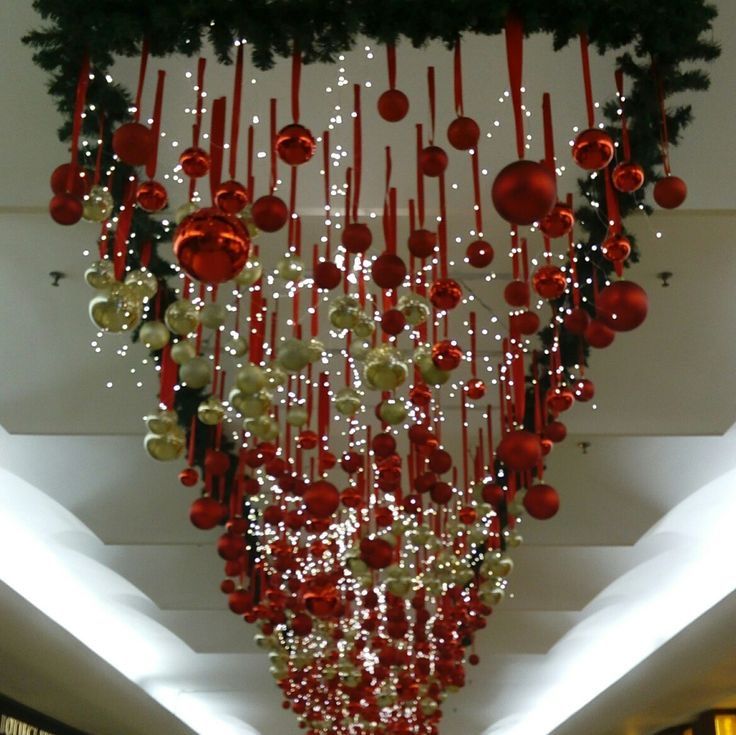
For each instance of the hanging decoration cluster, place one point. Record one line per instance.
(367, 514)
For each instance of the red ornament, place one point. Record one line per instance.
(133, 143)
(206, 513)
(439, 461)
(559, 399)
(194, 162)
(628, 176)
(441, 492)
(622, 306)
(433, 161)
(541, 501)
(475, 389)
(524, 192)
(275, 467)
(577, 321)
(388, 271)
(227, 586)
(445, 294)
(422, 243)
(446, 355)
(376, 553)
(231, 197)
(420, 395)
(393, 105)
(393, 322)
(327, 275)
(559, 221)
(295, 144)
(322, 499)
(320, 596)
(525, 323)
(493, 494)
(307, 439)
(351, 497)
(463, 133)
(211, 246)
(670, 192)
(151, 196)
(356, 237)
(383, 445)
(479, 253)
(81, 181)
(616, 248)
(301, 625)
(549, 282)
(240, 601)
(351, 462)
(520, 450)
(65, 209)
(269, 213)
(516, 293)
(230, 546)
(216, 463)
(593, 149)
(189, 477)
(598, 335)
(584, 390)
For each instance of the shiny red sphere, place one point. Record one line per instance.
(195, 162)
(441, 492)
(231, 197)
(555, 431)
(383, 444)
(479, 253)
(65, 209)
(524, 192)
(475, 389)
(388, 271)
(322, 499)
(81, 180)
(433, 161)
(230, 546)
(516, 293)
(393, 322)
(577, 321)
(593, 149)
(420, 395)
(445, 294)
(549, 282)
(422, 243)
(206, 513)
(525, 323)
(151, 196)
(189, 477)
(295, 144)
(598, 335)
(327, 275)
(133, 143)
(622, 306)
(541, 501)
(628, 177)
(520, 450)
(559, 399)
(393, 105)
(670, 192)
(446, 354)
(463, 133)
(269, 213)
(356, 237)
(376, 553)
(559, 221)
(584, 390)
(616, 248)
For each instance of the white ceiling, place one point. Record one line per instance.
(656, 440)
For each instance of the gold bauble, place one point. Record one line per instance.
(348, 401)
(392, 411)
(492, 597)
(316, 349)
(246, 215)
(344, 312)
(100, 275)
(364, 327)
(276, 376)
(165, 448)
(293, 355)
(236, 346)
(357, 566)
(386, 700)
(142, 283)
(252, 406)
(514, 539)
(422, 357)
(297, 416)
(235, 399)
(290, 268)
(264, 428)
(251, 273)
(415, 309)
(398, 581)
(97, 205)
(212, 316)
(154, 335)
(161, 422)
(385, 368)
(250, 379)
(196, 373)
(428, 706)
(211, 411)
(359, 350)
(502, 566)
(279, 670)
(183, 211)
(183, 351)
(114, 313)
(434, 376)
(181, 317)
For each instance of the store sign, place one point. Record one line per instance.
(18, 719)
(12, 726)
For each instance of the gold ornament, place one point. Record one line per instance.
(415, 308)
(236, 346)
(142, 284)
(166, 448)
(212, 316)
(429, 706)
(385, 368)
(196, 373)
(97, 205)
(154, 335)
(264, 428)
(183, 351)
(100, 275)
(290, 269)
(502, 566)
(293, 355)
(247, 216)
(297, 416)
(359, 350)
(344, 312)
(181, 317)
(161, 422)
(115, 312)
(211, 411)
(251, 273)
(434, 376)
(348, 401)
(392, 411)
(276, 376)
(255, 405)
(316, 349)
(183, 211)
(364, 326)
(250, 379)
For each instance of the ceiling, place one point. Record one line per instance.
(644, 507)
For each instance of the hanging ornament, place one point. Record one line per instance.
(270, 213)
(598, 335)
(670, 192)
(622, 306)
(69, 178)
(520, 450)
(432, 160)
(231, 197)
(445, 293)
(616, 248)
(463, 132)
(195, 162)
(388, 270)
(559, 221)
(422, 243)
(151, 196)
(295, 144)
(577, 321)
(627, 176)
(549, 282)
(541, 501)
(327, 275)
(393, 104)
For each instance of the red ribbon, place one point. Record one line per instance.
(473, 345)
(624, 127)
(326, 177)
(476, 192)
(156, 127)
(296, 76)
(217, 144)
(432, 101)
(125, 221)
(549, 138)
(272, 151)
(420, 178)
(235, 122)
(586, 79)
(515, 60)
(458, 85)
(82, 84)
(614, 214)
(251, 180)
(391, 57)
(348, 193)
(197, 127)
(168, 378)
(323, 419)
(100, 147)
(141, 79)
(442, 230)
(664, 137)
(357, 152)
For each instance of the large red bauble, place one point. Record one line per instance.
(520, 450)
(549, 282)
(295, 144)
(393, 105)
(393, 322)
(307, 439)
(446, 355)
(584, 390)
(593, 149)
(270, 213)
(559, 221)
(206, 513)
(133, 143)
(670, 192)
(383, 444)
(81, 181)
(356, 237)
(211, 246)
(445, 294)
(351, 462)
(151, 196)
(194, 162)
(559, 399)
(65, 209)
(433, 161)
(541, 501)
(524, 192)
(441, 492)
(577, 321)
(463, 133)
(322, 499)
(301, 624)
(376, 553)
(555, 431)
(230, 546)
(598, 335)
(240, 601)
(388, 270)
(475, 389)
(439, 461)
(525, 323)
(327, 275)
(320, 596)
(493, 494)
(616, 248)
(627, 177)
(189, 477)
(422, 243)
(622, 306)
(420, 395)
(231, 197)
(479, 253)
(516, 293)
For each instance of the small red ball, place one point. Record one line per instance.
(227, 586)
(81, 181)
(206, 513)
(493, 494)
(559, 221)
(549, 282)
(541, 501)
(383, 445)
(524, 192)
(525, 323)
(593, 149)
(479, 254)
(65, 209)
(133, 143)
(189, 477)
(322, 499)
(422, 243)
(327, 275)
(307, 439)
(516, 293)
(231, 197)
(211, 246)
(393, 105)
(463, 133)
(598, 335)
(194, 162)
(351, 497)
(216, 462)
(356, 237)
(393, 322)
(295, 144)
(584, 390)
(376, 553)
(577, 321)
(388, 271)
(433, 161)
(441, 492)
(475, 389)
(351, 462)
(622, 306)
(670, 192)
(616, 248)
(445, 294)
(520, 450)
(446, 355)
(151, 196)
(269, 213)
(240, 601)
(420, 395)
(559, 399)
(555, 431)
(628, 177)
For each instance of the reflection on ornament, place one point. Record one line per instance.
(183, 351)
(181, 317)
(100, 275)
(195, 162)
(295, 145)
(196, 373)
(593, 149)
(142, 284)
(211, 411)
(97, 206)
(250, 274)
(212, 316)
(154, 335)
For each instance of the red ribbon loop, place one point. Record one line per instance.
(141, 79)
(358, 152)
(586, 79)
(515, 60)
(82, 85)
(156, 127)
(391, 57)
(217, 144)
(458, 74)
(235, 122)
(296, 76)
